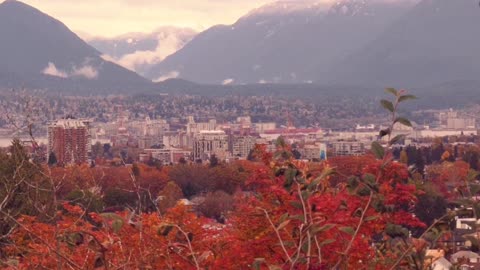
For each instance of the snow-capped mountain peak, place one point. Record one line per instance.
(350, 8)
(283, 7)
(366, 7)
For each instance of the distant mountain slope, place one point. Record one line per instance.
(437, 41)
(139, 51)
(37, 50)
(284, 42)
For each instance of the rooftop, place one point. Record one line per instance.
(69, 123)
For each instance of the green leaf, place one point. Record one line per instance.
(369, 178)
(394, 230)
(392, 91)
(371, 181)
(283, 225)
(110, 216)
(299, 217)
(476, 208)
(378, 150)
(325, 173)
(117, 221)
(343, 205)
(403, 121)
(398, 138)
(387, 105)
(274, 267)
(365, 191)
(257, 263)
(326, 242)
(352, 184)
(464, 203)
(472, 176)
(306, 194)
(288, 243)
(283, 218)
(384, 132)
(326, 227)
(371, 218)
(407, 97)
(289, 177)
(474, 188)
(305, 246)
(348, 230)
(296, 204)
(13, 262)
(117, 225)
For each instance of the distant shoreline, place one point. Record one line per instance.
(7, 141)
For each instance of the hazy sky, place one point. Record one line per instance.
(113, 17)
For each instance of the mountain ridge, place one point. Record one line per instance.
(435, 41)
(42, 52)
(277, 48)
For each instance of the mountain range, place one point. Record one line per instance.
(419, 44)
(355, 42)
(282, 42)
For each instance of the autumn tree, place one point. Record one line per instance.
(404, 157)
(25, 190)
(217, 205)
(169, 196)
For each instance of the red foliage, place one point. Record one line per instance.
(338, 220)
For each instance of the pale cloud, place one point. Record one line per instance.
(110, 18)
(108, 58)
(52, 70)
(170, 75)
(168, 43)
(86, 71)
(228, 81)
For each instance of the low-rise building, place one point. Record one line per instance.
(314, 151)
(348, 148)
(166, 156)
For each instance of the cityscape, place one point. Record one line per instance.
(147, 134)
(253, 134)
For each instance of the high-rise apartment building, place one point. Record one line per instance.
(69, 140)
(242, 145)
(208, 143)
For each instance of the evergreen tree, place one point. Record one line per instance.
(136, 170)
(251, 156)
(420, 163)
(213, 161)
(296, 154)
(182, 161)
(52, 159)
(473, 161)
